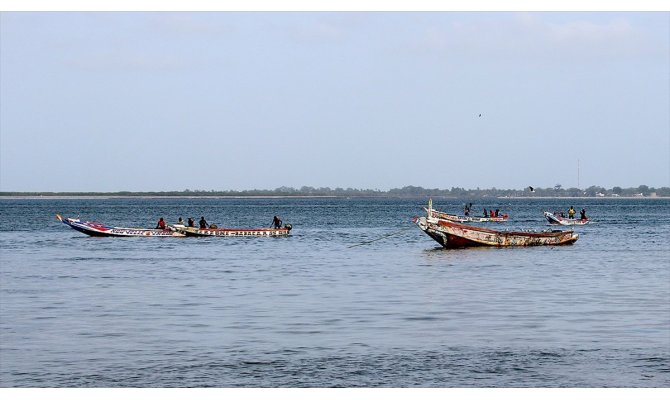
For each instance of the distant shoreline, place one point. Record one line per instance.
(104, 196)
(310, 192)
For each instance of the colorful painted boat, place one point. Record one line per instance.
(192, 231)
(555, 219)
(98, 229)
(467, 218)
(454, 235)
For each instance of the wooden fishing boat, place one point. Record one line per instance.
(192, 231)
(467, 218)
(98, 229)
(455, 235)
(555, 219)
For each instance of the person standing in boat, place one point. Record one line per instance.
(203, 223)
(276, 222)
(466, 209)
(160, 224)
(582, 214)
(571, 212)
(191, 222)
(485, 214)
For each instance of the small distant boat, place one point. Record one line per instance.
(98, 229)
(467, 218)
(193, 231)
(455, 235)
(555, 219)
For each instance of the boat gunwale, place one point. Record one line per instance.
(493, 231)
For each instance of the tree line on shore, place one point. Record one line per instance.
(407, 191)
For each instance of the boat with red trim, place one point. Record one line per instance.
(557, 219)
(455, 235)
(467, 218)
(193, 231)
(92, 228)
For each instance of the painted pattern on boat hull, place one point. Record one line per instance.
(192, 231)
(97, 229)
(454, 235)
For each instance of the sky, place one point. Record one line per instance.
(161, 101)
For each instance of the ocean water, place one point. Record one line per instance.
(356, 297)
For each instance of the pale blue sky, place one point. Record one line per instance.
(223, 100)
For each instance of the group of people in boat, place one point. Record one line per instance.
(191, 223)
(492, 214)
(487, 214)
(571, 213)
(276, 223)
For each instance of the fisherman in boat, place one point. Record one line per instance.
(160, 224)
(466, 209)
(582, 214)
(571, 212)
(276, 222)
(485, 214)
(497, 212)
(191, 222)
(180, 221)
(203, 223)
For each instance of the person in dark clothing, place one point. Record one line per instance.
(160, 224)
(203, 223)
(276, 222)
(582, 214)
(191, 222)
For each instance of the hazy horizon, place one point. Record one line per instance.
(162, 101)
(304, 189)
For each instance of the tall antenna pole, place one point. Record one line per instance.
(578, 173)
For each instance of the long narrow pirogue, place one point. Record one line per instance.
(98, 229)
(467, 218)
(558, 220)
(191, 231)
(453, 235)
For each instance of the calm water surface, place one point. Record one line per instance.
(310, 310)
